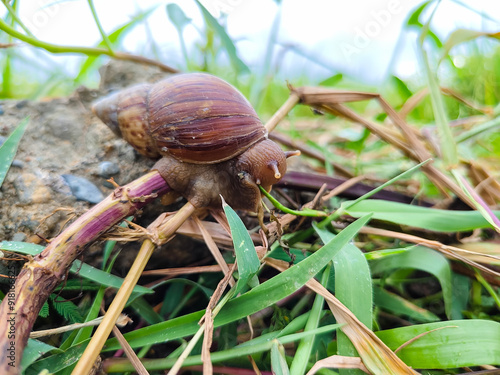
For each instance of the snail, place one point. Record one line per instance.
(210, 139)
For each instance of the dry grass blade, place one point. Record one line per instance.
(209, 320)
(282, 112)
(129, 352)
(449, 251)
(183, 270)
(338, 361)
(280, 138)
(420, 336)
(212, 246)
(122, 321)
(486, 185)
(376, 356)
(410, 144)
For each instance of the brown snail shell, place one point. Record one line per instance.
(196, 118)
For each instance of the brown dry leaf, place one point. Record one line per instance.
(409, 141)
(338, 361)
(376, 356)
(486, 185)
(129, 352)
(212, 246)
(209, 321)
(482, 252)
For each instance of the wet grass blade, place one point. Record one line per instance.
(228, 44)
(246, 256)
(456, 343)
(353, 287)
(420, 217)
(304, 349)
(398, 305)
(424, 259)
(78, 267)
(9, 148)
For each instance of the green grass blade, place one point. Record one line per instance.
(246, 256)
(228, 44)
(304, 350)
(57, 362)
(398, 305)
(34, 350)
(78, 267)
(424, 259)
(447, 143)
(9, 148)
(249, 348)
(421, 217)
(114, 38)
(278, 361)
(258, 298)
(350, 264)
(464, 343)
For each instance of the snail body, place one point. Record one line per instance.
(207, 134)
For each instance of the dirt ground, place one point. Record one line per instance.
(64, 137)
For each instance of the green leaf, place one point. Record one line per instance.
(9, 148)
(461, 36)
(78, 267)
(145, 311)
(246, 255)
(44, 311)
(420, 217)
(278, 361)
(398, 305)
(67, 309)
(238, 65)
(332, 80)
(59, 361)
(304, 349)
(114, 38)
(350, 264)
(424, 259)
(258, 298)
(177, 16)
(34, 350)
(462, 343)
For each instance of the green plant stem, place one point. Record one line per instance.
(89, 51)
(105, 38)
(335, 215)
(15, 17)
(279, 206)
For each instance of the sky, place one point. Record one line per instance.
(357, 37)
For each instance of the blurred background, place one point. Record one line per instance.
(364, 41)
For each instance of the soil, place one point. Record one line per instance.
(64, 137)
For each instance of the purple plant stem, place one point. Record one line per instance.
(44, 272)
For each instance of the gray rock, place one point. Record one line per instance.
(17, 163)
(31, 189)
(83, 189)
(108, 169)
(2, 140)
(19, 236)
